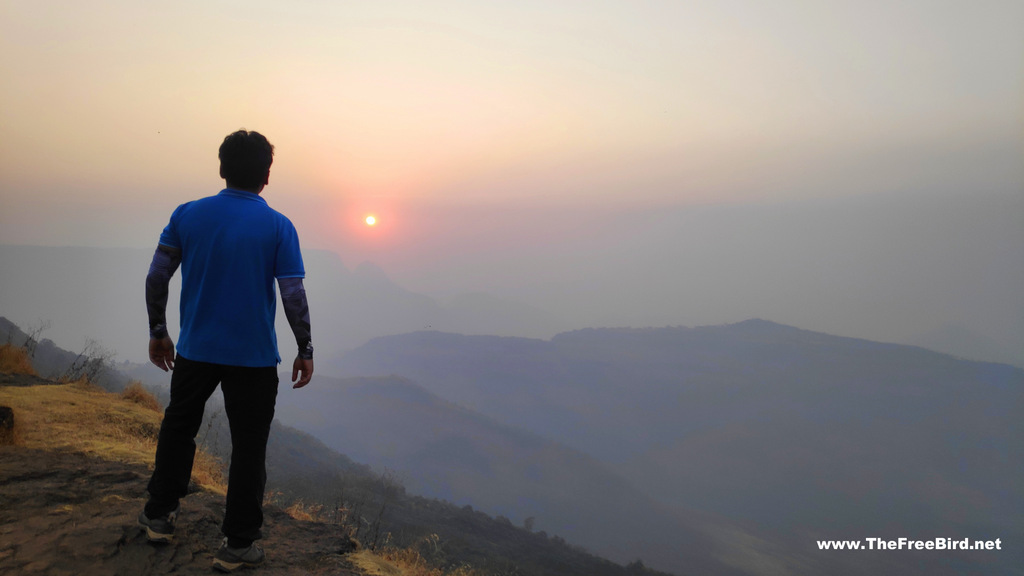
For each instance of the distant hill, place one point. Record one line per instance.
(797, 434)
(439, 449)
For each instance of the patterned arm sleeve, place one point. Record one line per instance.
(165, 263)
(296, 310)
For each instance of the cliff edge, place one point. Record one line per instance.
(73, 479)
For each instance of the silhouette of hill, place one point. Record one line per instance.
(51, 361)
(444, 451)
(795, 434)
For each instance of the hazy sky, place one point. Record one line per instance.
(473, 129)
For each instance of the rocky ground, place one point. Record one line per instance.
(72, 514)
(23, 380)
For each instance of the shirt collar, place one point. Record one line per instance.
(242, 194)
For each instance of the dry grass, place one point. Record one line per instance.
(306, 512)
(80, 417)
(135, 392)
(402, 562)
(208, 471)
(15, 360)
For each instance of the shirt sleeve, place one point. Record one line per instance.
(169, 237)
(288, 261)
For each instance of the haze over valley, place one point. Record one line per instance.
(940, 272)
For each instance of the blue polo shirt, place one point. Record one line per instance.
(233, 245)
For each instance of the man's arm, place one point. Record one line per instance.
(165, 263)
(296, 310)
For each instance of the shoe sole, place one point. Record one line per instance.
(225, 566)
(157, 537)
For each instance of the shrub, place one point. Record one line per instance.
(306, 512)
(15, 360)
(135, 392)
(208, 471)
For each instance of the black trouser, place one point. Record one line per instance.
(249, 398)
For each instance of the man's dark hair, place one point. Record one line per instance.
(245, 159)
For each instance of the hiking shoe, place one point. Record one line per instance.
(160, 529)
(229, 559)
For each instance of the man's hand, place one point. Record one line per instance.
(161, 353)
(303, 368)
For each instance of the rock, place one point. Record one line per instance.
(6, 425)
(69, 513)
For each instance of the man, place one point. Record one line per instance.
(231, 248)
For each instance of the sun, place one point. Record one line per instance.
(371, 220)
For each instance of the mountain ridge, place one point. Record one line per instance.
(448, 451)
(830, 426)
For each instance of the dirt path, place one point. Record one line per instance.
(64, 514)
